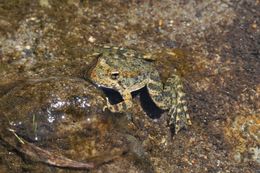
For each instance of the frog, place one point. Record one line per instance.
(127, 70)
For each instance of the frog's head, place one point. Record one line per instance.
(105, 75)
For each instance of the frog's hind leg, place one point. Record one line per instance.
(122, 106)
(179, 118)
(157, 94)
(170, 97)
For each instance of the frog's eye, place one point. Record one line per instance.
(114, 75)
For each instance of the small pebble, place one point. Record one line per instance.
(44, 3)
(237, 157)
(254, 25)
(91, 39)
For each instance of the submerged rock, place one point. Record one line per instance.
(244, 134)
(39, 109)
(47, 119)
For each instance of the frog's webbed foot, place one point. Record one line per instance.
(109, 106)
(113, 108)
(179, 118)
(120, 107)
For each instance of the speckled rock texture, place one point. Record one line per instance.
(213, 45)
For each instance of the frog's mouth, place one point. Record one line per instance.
(104, 87)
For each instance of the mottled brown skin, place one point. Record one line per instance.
(125, 71)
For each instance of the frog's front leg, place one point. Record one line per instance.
(122, 106)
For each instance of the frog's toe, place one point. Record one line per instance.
(109, 106)
(188, 119)
(104, 108)
(113, 108)
(179, 121)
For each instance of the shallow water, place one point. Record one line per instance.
(213, 45)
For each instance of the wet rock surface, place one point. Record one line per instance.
(214, 45)
(40, 109)
(64, 116)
